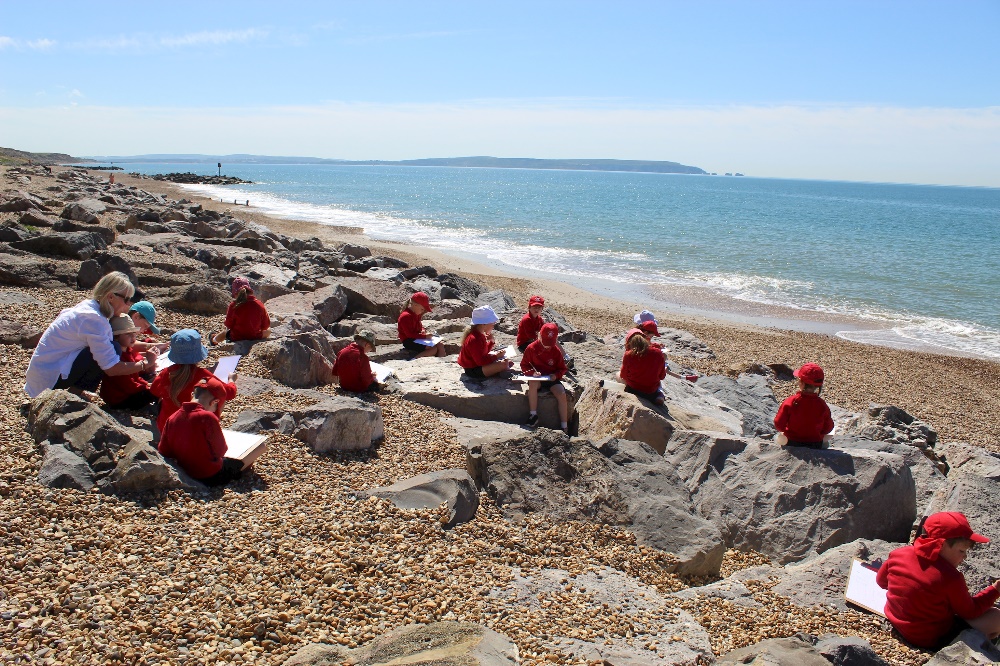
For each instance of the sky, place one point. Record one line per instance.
(887, 91)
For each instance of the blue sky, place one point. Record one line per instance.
(886, 91)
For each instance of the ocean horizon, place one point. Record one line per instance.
(906, 266)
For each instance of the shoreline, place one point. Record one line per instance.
(943, 390)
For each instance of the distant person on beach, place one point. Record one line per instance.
(531, 323)
(804, 417)
(129, 392)
(927, 599)
(246, 318)
(477, 356)
(411, 328)
(543, 357)
(173, 386)
(353, 366)
(644, 364)
(193, 436)
(76, 351)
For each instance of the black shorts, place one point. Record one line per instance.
(652, 397)
(546, 386)
(806, 445)
(476, 372)
(521, 348)
(412, 345)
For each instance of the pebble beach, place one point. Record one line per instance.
(293, 553)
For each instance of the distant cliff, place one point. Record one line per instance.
(10, 156)
(531, 163)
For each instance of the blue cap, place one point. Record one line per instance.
(148, 312)
(186, 347)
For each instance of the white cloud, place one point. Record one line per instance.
(7, 42)
(75, 93)
(41, 44)
(214, 37)
(924, 145)
(409, 36)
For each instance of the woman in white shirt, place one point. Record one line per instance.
(76, 350)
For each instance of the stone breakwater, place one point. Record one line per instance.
(189, 178)
(618, 545)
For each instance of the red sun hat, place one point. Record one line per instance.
(240, 283)
(536, 300)
(549, 334)
(649, 327)
(951, 525)
(811, 374)
(214, 386)
(420, 298)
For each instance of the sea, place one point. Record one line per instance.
(906, 266)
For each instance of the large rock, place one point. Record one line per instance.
(377, 297)
(969, 649)
(442, 384)
(66, 226)
(750, 395)
(336, 424)
(200, 298)
(62, 468)
(17, 333)
(887, 423)
(791, 502)
(439, 643)
(300, 360)
(73, 244)
(792, 651)
(453, 487)
(25, 270)
(926, 471)
(607, 410)
(460, 288)
(84, 210)
(328, 304)
(141, 468)
(615, 482)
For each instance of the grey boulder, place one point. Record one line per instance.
(337, 424)
(453, 487)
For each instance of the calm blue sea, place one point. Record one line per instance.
(920, 264)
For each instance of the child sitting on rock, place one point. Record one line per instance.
(411, 327)
(173, 386)
(193, 435)
(531, 323)
(128, 391)
(246, 317)
(543, 357)
(143, 315)
(804, 417)
(643, 365)
(927, 599)
(477, 355)
(353, 367)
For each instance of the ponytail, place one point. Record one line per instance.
(179, 377)
(242, 297)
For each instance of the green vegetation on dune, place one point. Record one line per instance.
(12, 157)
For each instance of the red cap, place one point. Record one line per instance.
(536, 300)
(632, 332)
(240, 283)
(951, 525)
(549, 334)
(811, 374)
(420, 298)
(649, 327)
(214, 386)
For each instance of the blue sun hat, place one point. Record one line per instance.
(186, 347)
(148, 312)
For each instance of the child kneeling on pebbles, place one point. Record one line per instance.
(477, 356)
(804, 417)
(353, 366)
(543, 357)
(927, 599)
(193, 436)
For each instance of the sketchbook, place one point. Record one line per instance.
(382, 372)
(226, 366)
(428, 342)
(862, 590)
(244, 446)
(510, 352)
(162, 363)
(529, 378)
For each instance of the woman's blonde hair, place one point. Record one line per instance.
(637, 344)
(112, 283)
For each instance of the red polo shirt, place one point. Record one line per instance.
(117, 389)
(804, 417)
(194, 437)
(354, 369)
(161, 389)
(410, 325)
(643, 373)
(527, 329)
(475, 350)
(546, 360)
(247, 321)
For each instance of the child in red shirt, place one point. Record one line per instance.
(193, 435)
(804, 417)
(353, 367)
(128, 391)
(543, 357)
(477, 355)
(411, 327)
(643, 366)
(246, 317)
(531, 323)
(927, 599)
(174, 385)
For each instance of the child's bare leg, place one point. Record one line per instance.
(494, 368)
(988, 623)
(532, 396)
(439, 349)
(560, 393)
(430, 351)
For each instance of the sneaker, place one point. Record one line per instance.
(532, 419)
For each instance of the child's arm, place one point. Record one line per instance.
(966, 606)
